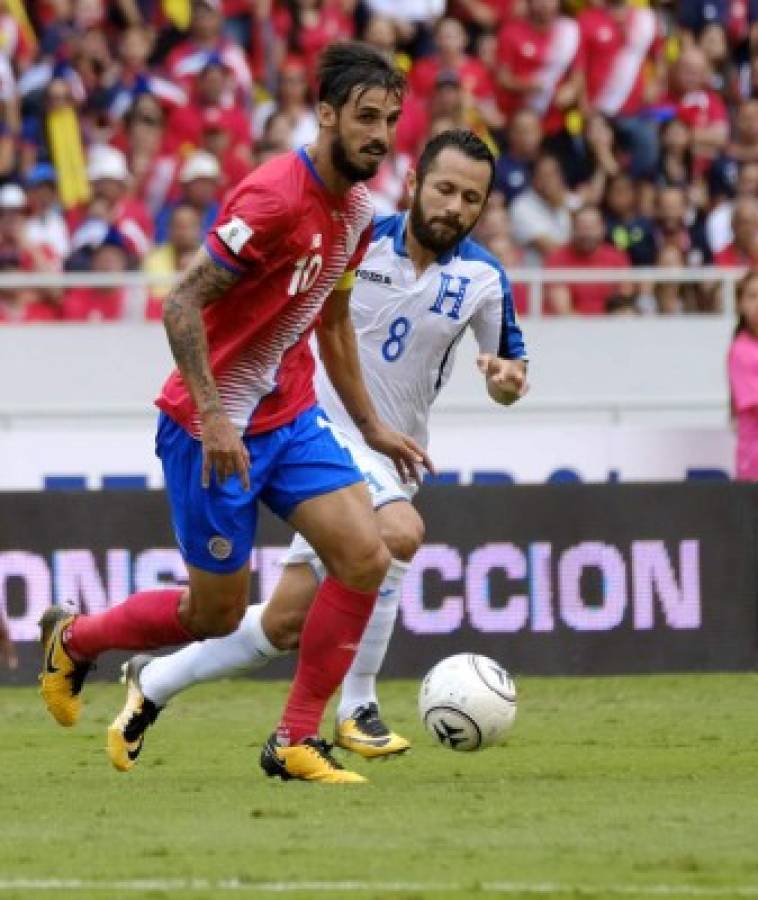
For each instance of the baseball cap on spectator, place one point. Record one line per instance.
(42, 173)
(12, 197)
(107, 162)
(200, 165)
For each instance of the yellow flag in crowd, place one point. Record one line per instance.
(17, 9)
(178, 12)
(67, 153)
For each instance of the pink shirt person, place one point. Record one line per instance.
(743, 380)
(743, 377)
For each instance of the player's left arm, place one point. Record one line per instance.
(338, 349)
(502, 358)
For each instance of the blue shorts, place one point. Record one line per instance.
(215, 526)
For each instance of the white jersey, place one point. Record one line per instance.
(408, 327)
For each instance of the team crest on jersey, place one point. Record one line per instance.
(235, 234)
(219, 547)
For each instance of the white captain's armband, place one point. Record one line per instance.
(235, 234)
(346, 282)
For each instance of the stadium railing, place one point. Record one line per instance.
(139, 283)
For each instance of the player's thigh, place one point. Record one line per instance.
(284, 614)
(214, 526)
(401, 529)
(344, 532)
(317, 487)
(215, 603)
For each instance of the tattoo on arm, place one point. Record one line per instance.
(201, 284)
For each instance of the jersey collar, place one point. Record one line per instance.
(399, 246)
(335, 199)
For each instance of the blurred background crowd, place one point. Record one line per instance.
(625, 134)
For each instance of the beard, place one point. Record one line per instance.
(428, 237)
(350, 170)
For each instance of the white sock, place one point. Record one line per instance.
(246, 649)
(359, 686)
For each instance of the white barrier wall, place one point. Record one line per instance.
(611, 398)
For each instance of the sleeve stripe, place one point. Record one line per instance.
(221, 261)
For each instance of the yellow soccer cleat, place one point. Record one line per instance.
(309, 761)
(127, 733)
(61, 678)
(366, 735)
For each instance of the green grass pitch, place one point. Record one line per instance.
(616, 787)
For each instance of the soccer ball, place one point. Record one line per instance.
(467, 702)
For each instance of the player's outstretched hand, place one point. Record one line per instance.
(223, 450)
(506, 378)
(402, 450)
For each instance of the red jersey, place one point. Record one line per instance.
(698, 109)
(588, 299)
(732, 256)
(475, 79)
(614, 58)
(546, 56)
(290, 240)
(86, 304)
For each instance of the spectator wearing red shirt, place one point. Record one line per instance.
(743, 251)
(18, 254)
(113, 201)
(617, 44)
(205, 38)
(101, 304)
(145, 142)
(450, 56)
(586, 250)
(486, 16)
(699, 107)
(538, 60)
(235, 157)
(306, 27)
(186, 123)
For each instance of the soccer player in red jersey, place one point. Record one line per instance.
(239, 419)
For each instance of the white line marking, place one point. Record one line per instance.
(167, 885)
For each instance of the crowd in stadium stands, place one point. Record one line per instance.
(625, 134)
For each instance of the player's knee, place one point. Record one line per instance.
(217, 620)
(403, 542)
(365, 566)
(283, 629)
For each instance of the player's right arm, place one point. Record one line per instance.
(201, 284)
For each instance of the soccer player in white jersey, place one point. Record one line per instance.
(422, 283)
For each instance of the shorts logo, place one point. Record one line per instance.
(220, 547)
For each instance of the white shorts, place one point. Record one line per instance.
(383, 482)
